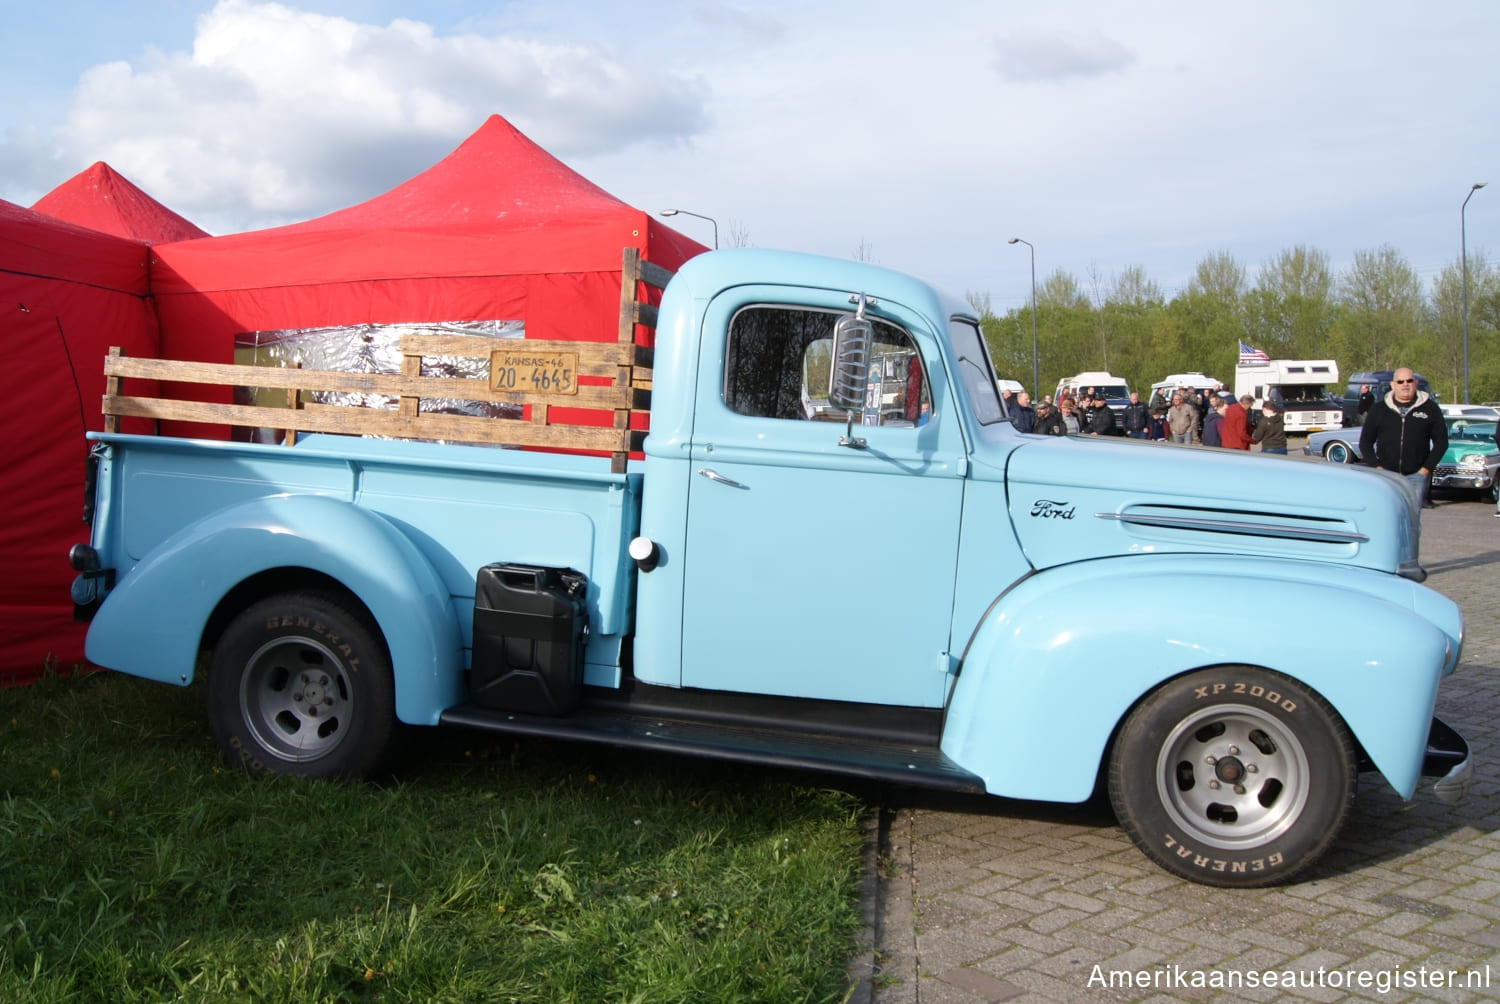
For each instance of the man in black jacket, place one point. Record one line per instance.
(1136, 417)
(1405, 433)
(1102, 420)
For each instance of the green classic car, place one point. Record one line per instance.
(1472, 458)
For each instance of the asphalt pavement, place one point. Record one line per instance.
(976, 899)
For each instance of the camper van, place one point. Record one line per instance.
(1195, 381)
(1301, 388)
(1114, 388)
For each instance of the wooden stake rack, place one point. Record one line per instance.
(541, 375)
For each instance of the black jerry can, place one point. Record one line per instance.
(530, 625)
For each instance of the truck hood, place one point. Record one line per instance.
(1077, 498)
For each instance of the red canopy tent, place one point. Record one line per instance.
(101, 199)
(66, 294)
(497, 230)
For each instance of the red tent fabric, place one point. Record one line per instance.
(101, 199)
(497, 230)
(66, 294)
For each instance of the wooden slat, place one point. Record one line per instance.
(356, 421)
(111, 386)
(389, 385)
(597, 354)
(410, 403)
(645, 314)
(630, 274)
(293, 400)
(655, 275)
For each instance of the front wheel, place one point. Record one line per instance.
(300, 683)
(1338, 453)
(1233, 776)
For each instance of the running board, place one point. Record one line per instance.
(852, 755)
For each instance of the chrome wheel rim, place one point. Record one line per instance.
(1232, 777)
(297, 698)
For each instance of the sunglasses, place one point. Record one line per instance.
(1403, 381)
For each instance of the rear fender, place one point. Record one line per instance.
(1061, 659)
(151, 624)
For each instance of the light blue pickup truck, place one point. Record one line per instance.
(831, 552)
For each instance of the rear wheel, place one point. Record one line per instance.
(1233, 776)
(301, 684)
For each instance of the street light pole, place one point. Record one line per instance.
(684, 212)
(1463, 244)
(1036, 388)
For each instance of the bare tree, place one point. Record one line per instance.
(739, 236)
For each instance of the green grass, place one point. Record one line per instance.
(136, 866)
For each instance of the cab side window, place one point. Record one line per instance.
(777, 363)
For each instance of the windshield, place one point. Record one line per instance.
(975, 372)
(1300, 393)
(1113, 391)
(1460, 428)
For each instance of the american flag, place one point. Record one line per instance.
(1249, 355)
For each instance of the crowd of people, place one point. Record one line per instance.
(1191, 415)
(1403, 432)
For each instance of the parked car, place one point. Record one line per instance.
(1474, 412)
(1339, 446)
(1472, 460)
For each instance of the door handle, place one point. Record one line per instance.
(721, 479)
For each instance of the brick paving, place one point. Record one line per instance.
(986, 900)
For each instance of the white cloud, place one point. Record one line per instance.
(288, 114)
(1110, 135)
(742, 24)
(1059, 55)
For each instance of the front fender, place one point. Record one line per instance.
(151, 624)
(1060, 659)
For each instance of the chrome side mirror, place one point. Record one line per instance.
(853, 335)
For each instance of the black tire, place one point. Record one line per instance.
(1174, 768)
(1338, 453)
(300, 683)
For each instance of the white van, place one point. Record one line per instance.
(1113, 388)
(1196, 381)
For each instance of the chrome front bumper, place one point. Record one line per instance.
(1461, 481)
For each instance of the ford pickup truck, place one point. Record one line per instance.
(830, 551)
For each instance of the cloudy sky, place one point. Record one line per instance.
(919, 136)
